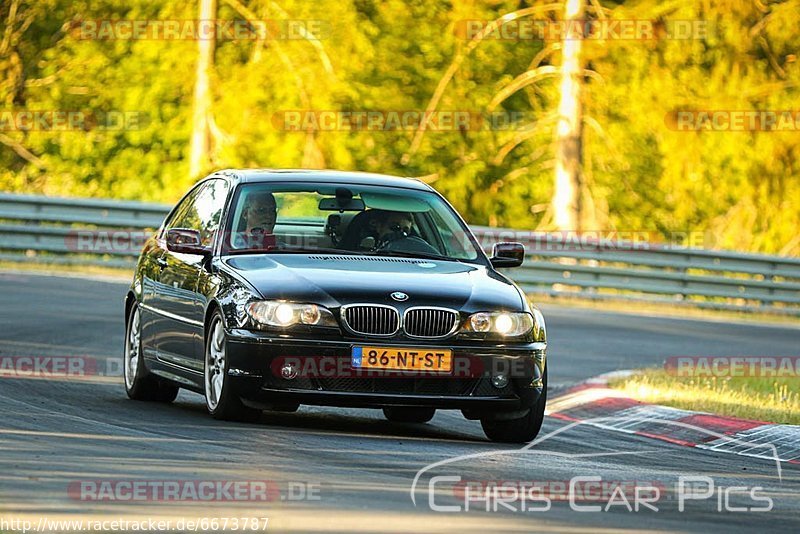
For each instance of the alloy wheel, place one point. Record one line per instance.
(215, 364)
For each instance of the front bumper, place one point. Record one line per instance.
(255, 359)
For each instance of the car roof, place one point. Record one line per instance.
(323, 176)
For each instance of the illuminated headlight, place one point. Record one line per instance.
(285, 314)
(508, 324)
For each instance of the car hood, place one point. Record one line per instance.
(338, 280)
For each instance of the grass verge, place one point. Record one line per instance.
(775, 400)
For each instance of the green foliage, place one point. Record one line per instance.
(740, 188)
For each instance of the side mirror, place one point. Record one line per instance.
(507, 255)
(185, 241)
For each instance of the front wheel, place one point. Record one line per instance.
(140, 384)
(522, 429)
(221, 399)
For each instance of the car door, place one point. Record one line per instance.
(180, 338)
(153, 320)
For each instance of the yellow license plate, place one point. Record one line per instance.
(402, 359)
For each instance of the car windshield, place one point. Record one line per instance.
(345, 219)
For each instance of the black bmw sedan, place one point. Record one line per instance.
(269, 289)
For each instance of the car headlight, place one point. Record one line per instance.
(506, 324)
(284, 314)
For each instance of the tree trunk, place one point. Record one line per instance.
(201, 112)
(566, 202)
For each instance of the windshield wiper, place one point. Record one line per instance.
(318, 250)
(291, 250)
(285, 249)
(405, 254)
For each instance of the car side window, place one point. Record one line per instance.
(180, 211)
(203, 210)
(210, 205)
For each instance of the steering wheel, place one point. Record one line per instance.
(402, 242)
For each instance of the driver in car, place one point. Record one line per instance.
(394, 231)
(391, 226)
(258, 217)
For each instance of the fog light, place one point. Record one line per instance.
(500, 380)
(288, 371)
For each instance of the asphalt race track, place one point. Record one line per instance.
(339, 470)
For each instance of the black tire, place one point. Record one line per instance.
(140, 384)
(522, 429)
(402, 414)
(222, 401)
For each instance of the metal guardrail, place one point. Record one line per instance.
(49, 230)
